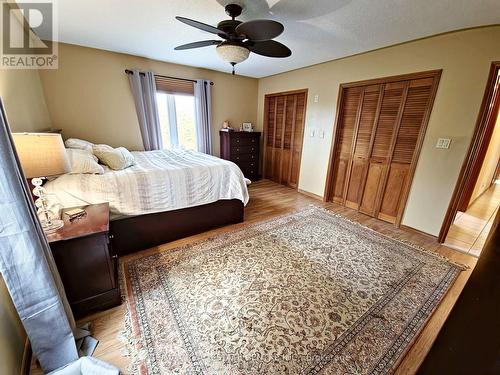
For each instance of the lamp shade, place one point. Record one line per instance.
(41, 154)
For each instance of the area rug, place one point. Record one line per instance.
(305, 293)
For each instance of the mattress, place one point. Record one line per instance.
(161, 180)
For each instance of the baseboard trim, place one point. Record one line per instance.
(413, 230)
(310, 195)
(27, 353)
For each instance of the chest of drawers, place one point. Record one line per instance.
(242, 148)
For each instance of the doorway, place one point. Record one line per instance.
(476, 198)
(284, 118)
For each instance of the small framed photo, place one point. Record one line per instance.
(247, 127)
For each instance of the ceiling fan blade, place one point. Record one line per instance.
(203, 43)
(202, 26)
(260, 30)
(269, 48)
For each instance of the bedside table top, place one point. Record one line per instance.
(96, 221)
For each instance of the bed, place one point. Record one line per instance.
(166, 195)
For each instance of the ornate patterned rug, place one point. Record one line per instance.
(308, 292)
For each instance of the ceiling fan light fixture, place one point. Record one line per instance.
(232, 53)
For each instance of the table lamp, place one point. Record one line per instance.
(42, 155)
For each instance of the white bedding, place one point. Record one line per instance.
(161, 180)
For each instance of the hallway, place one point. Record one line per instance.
(470, 229)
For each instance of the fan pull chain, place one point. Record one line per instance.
(233, 64)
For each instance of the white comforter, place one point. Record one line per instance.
(161, 180)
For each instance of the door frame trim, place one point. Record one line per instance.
(473, 153)
(436, 74)
(264, 126)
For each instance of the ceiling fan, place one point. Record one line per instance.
(240, 38)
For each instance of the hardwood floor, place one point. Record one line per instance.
(267, 200)
(470, 229)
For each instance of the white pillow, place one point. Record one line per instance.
(115, 158)
(82, 161)
(78, 144)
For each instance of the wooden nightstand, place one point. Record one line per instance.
(86, 263)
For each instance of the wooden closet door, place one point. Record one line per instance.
(409, 131)
(284, 129)
(380, 129)
(269, 130)
(296, 139)
(278, 138)
(363, 141)
(390, 113)
(350, 108)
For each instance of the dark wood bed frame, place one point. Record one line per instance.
(142, 232)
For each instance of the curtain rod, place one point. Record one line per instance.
(128, 71)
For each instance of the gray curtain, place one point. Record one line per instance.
(203, 108)
(144, 91)
(27, 266)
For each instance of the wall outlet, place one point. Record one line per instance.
(316, 98)
(443, 143)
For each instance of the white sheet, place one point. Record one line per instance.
(161, 180)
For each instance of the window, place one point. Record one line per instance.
(176, 109)
(177, 120)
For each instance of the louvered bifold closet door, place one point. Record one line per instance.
(297, 138)
(403, 155)
(390, 113)
(380, 128)
(284, 133)
(350, 108)
(362, 141)
(278, 138)
(270, 126)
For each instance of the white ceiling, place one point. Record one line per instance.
(315, 30)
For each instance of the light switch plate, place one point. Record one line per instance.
(316, 98)
(322, 134)
(443, 143)
(313, 132)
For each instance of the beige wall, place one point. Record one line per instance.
(89, 95)
(22, 94)
(490, 163)
(465, 58)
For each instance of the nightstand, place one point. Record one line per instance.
(86, 262)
